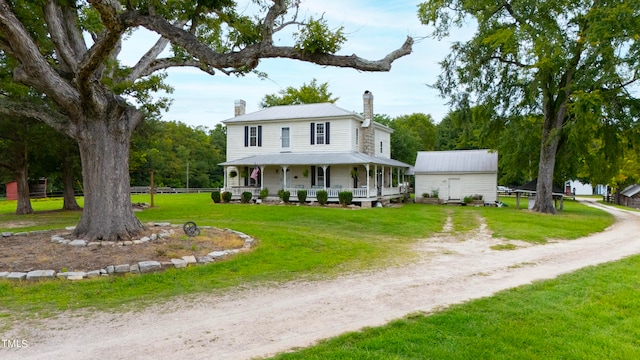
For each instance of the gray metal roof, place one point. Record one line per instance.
(631, 190)
(304, 111)
(314, 159)
(456, 161)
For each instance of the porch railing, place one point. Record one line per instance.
(358, 193)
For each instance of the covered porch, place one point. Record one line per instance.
(367, 178)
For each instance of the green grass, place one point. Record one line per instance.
(294, 242)
(576, 220)
(593, 313)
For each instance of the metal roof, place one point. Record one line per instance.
(456, 161)
(314, 159)
(631, 190)
(304, 111)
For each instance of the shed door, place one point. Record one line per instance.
(454, 188)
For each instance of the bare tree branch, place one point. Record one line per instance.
(143, 66)
(162, 64)
(35, 70)
(54, 20)
(511, 62)
(104, 45)
(248, 57)
(39, 112)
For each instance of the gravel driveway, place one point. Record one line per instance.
(262, 321)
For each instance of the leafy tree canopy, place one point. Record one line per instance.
(311, 93)
(573, 63)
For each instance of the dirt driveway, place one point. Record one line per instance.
(261, 321)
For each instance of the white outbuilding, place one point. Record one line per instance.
(456, 174)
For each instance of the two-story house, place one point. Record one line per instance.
(312, 147)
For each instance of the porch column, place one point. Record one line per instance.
(367, 167)
(284, 176)
(375, 179)
(224, 179)
(262, 177)
(324, 178)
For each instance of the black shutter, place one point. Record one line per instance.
(326, 133)
(313, 175)
(246, 176)
(327, 176)
(246, 136)
(259, 135)
(313, 133)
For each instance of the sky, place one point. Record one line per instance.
(373, 29)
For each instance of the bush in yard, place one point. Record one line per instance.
(302, 195)
(246, 197)
(264, 193)
(345, 197)
(280, 193)
(285, 196)
(226, 196)
(322, 196)
(215, 196)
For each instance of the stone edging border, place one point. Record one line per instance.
(138, 268)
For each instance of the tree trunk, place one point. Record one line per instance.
(69, 195)
(104, 151)
(548, 151)
(24, 198)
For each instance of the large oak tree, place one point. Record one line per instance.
(68, 50)
(572, 62)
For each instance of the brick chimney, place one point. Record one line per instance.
(240, 107)
(368, 135)
(367, 102)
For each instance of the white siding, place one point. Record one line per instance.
(384, 138)
(341, 137)
(484, 184)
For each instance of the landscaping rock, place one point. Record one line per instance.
(122, 268)
(162, 224)
(217, 254)
(205, 259)
(179, 263)
(127, 243)
(137, 242)
(41, 274)
(110, 269)
(3, 274)
(57, 239)
(144, 239)
(7, 234)
(93, 274)
(78, 243)
(94, 243)
(148, 266)
(153, 237)
(189, 259)
(72, 275)
(16, 276)
(134, 269)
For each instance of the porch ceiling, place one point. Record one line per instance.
(345, 158)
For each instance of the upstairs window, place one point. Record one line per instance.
(253, 136)
(320, 133)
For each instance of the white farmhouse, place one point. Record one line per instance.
(457, 174)
(312, 147)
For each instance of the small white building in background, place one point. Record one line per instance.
(456, 174)
(578, 188)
